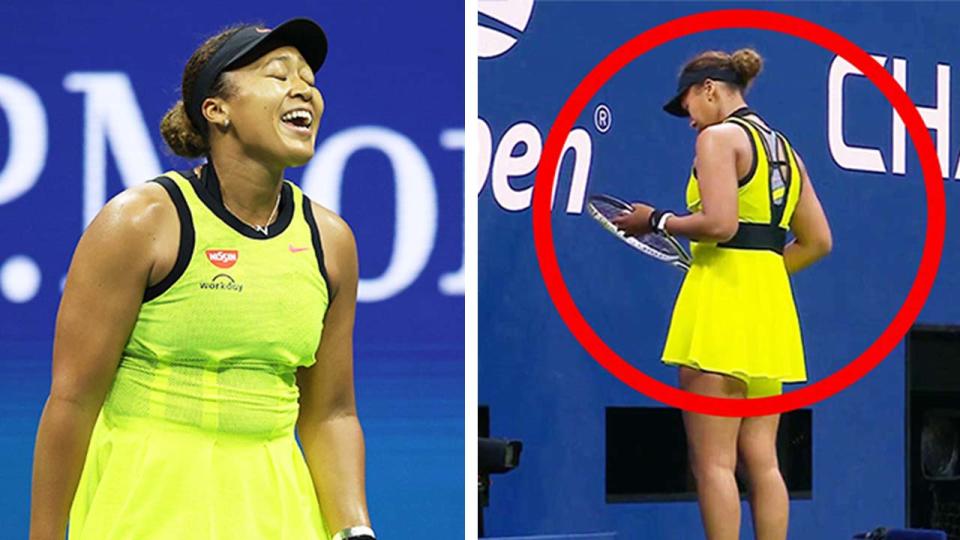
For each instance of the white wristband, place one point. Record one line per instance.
(351, 532)
(661, 225)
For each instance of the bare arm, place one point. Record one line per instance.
(328, 425)
(110, 269)
(716, 164)
(810, 227)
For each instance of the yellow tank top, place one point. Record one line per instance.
(766, 197)
(216, 344)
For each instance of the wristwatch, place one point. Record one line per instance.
(658, 220)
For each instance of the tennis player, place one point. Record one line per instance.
(734, 331)
(207, 315)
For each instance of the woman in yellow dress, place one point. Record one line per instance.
(734, 331)
(208, 316)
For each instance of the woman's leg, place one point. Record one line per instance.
(712, 446)
(769, 502)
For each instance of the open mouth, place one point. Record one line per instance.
(299, 120)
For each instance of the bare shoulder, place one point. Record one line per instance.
(722, 134)
(136, 210)
(339, 244)
(339, 248)
(720, 145)
(134, 228)
(334, 230)
(125, 243)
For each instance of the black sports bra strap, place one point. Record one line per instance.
(772, 143)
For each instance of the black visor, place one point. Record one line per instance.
(250, 43)
(690, 78)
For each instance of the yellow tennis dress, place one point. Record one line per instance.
(735, 312)
(195, 440)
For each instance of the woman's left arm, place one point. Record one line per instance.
(328, 425)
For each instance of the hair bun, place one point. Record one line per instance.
(180, 135)
(747, 63)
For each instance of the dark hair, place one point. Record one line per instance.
(746, 62)
(181, 135)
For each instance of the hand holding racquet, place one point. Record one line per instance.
(612, 213)
(635, 222)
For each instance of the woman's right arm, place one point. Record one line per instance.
(813, 240)
(113, 263)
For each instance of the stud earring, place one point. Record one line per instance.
(226, 123)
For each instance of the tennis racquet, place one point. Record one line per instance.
(660, 246)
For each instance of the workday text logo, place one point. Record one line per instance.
(222, 282)
(501, 23)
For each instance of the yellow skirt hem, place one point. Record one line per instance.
(738, 374)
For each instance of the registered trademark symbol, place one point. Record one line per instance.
(602, 118)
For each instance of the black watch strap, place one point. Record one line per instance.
(658, 219)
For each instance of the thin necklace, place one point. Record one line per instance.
(258, 228)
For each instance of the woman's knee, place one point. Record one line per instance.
(712, 462)
(758, 459)
(712, 471)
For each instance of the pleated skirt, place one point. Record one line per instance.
(735, 315)
(153, 480)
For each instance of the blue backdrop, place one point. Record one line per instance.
(543, 388)
(83, 87)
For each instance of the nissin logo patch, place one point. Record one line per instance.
(222, 258)
(501, 24)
